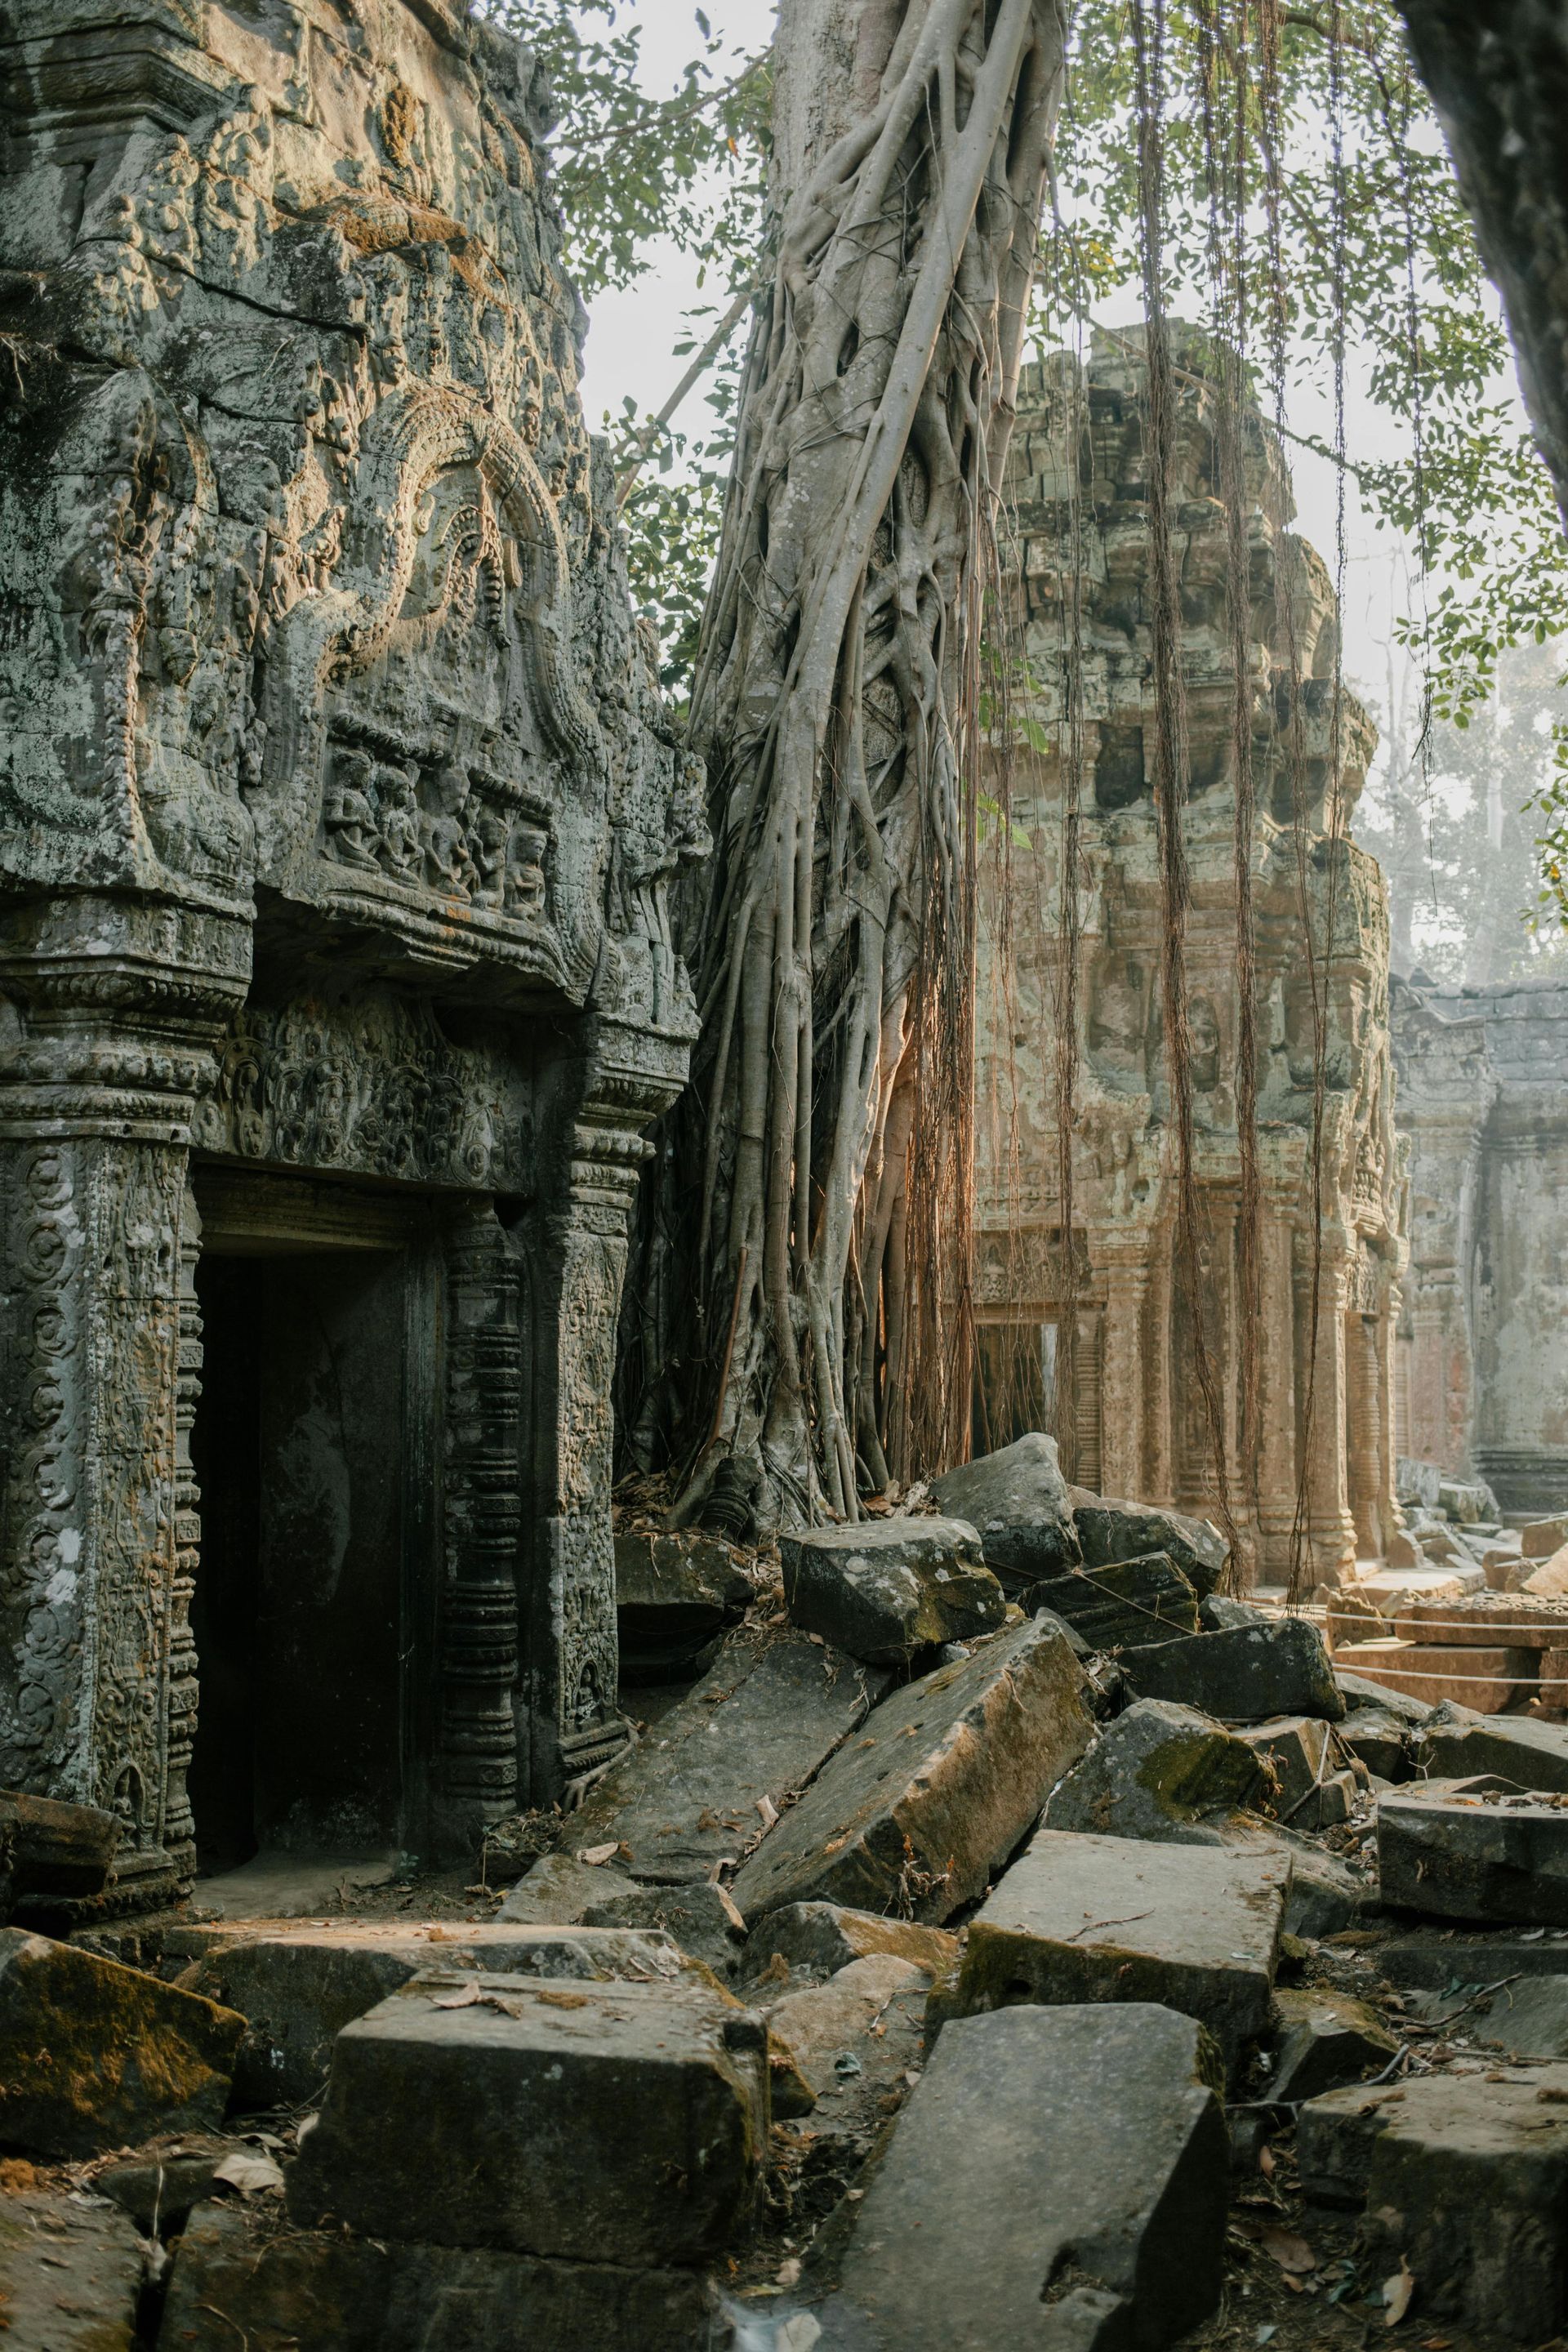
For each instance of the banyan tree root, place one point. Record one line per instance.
(833, 701)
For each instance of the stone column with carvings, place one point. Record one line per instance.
(120, 1003)
(477, 1772)
(602, 1098)
(1277, 1462)
(1125, 1274)
(1330, 1528)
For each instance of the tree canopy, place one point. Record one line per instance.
(1309, 200)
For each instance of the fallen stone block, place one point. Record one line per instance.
(1298, 1753)
(559, 1888)
(1552, 1684)
(52, 1851)
(94, 2055)
(1247, 1674)
(1353, 1618)
(886, 1588)
(1390, 1589)
(70, 2275)
(1124, 1606)
(1110, 1531)
(1529, 2019)
(1058, 2178)
(1017, 1501)
(1470, 1850)
(836, 2031)
(676, 1594)
(1218, 1613)
(298, 1989)
(160, 2188)
(1505, 1572)
(1541, 1537)
(1359, 1693)
(1550, 1581)
(820, 1939)
(1417, 1482)
(237, 2279)
(701, 1919)
(1325, 1896)
(944, 1780)
(1485, 1680)
(1532, 1755)
(1158, 1772)
(756, 1728)
(1454, 1963)
(447, 2110)
(1465, 2177)
(1324, 2041)
(1465, 1501)
(1081, 1918)
(1379, 1740)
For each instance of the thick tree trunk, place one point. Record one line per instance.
(839, 657)
(1499, 77)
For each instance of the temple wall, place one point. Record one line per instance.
(337, 813)
(1483, 1348)
(1132, 1419)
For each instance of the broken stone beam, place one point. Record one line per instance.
(1158, 1772)
(1473, 1850)
(94, 2055)
(1516, 1621)
(759, 1726)
(241, 2279)
(543, 2118)
(1058, 2178)
(48, 1848)
(885, 1589)
(1245, 1674)
(675, 1595)
(1465, 2179)
(1109, 1919)
(1487, 1680)
(1126, 1605)
(944, 1778)
(298, 1990)
(1021, 1506)
(1110, 1531)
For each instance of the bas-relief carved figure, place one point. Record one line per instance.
(337, 814)
(1482, 1353)
(1135, 1423)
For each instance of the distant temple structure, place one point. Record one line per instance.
(1482, 1359)
(1134, 1422)
(337, 810)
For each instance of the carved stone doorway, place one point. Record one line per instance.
(311, 1589)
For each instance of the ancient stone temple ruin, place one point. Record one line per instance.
(1482, 1353)
(336, 816)
(1134, 1422)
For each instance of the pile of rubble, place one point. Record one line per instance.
(1007, 1939)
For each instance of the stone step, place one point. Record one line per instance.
(538, 2118)
(1491, 1679)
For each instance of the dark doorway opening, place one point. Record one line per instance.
(299, 1606)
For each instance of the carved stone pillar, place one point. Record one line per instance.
(602, 1098)
(1332, 1531)
(1364, 1407)
(476, 1774)
(1122, 1395)
(1385, 1342)
(1276, 1463)
(121, 1002)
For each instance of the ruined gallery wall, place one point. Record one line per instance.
(337, 810)
(1483, 1346)
(1135, 1421)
